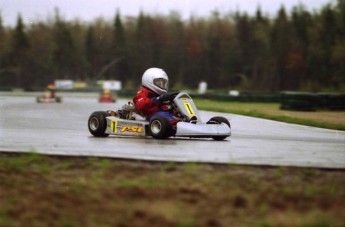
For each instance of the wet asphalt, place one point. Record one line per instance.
(61, 129)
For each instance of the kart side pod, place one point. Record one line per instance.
(202, 130)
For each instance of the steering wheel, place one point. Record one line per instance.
(173, 95)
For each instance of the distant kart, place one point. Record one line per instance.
(47, 99)
(106, 96)
(126, 122)
(106, 99)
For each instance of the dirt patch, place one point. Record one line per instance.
(53, 191)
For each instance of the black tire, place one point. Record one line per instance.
(219, 120)
(97, 123)
(160, 127)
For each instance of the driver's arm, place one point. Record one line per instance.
(142, 102)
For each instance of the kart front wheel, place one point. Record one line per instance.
(219, 120)
(160, 127)
(97, 123)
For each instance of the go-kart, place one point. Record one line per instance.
(106, 97)
(128, 122)
(47, 99)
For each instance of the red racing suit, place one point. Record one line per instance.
(146, 104)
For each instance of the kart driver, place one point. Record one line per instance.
(51, 91)
(152, 99)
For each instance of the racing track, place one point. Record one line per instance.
(61, 129)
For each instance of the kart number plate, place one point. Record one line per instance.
(188, 107)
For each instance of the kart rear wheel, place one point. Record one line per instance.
(219, 120)
(97, 123)
(160, 127)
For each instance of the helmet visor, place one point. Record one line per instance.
(161, 83)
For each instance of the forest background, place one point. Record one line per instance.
(297, 50)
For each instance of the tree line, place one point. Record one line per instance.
(296, 50)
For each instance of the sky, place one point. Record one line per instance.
(88, 10)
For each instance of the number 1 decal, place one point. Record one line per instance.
(113, 126)
(188, 107)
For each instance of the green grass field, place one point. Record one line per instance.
(322, 119)
(38, 190)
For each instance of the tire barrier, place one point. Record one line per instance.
(304, 101)
(242, 97)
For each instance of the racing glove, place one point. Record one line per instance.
(163, 98)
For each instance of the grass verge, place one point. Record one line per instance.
(322, 119)
(37, 190)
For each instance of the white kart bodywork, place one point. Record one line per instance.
(117, 126)
(185, 129)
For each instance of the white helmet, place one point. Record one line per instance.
(156, 80)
